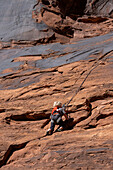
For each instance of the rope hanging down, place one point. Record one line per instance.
(94, 66)
(65, 105)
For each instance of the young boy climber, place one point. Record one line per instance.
(56, 117)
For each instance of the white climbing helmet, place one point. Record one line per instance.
(57, 103)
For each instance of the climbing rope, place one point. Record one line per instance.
(97, 63)
(91, 69)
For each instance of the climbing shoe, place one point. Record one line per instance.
(49, 132)
(59, 129)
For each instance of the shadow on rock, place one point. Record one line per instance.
(70, 123)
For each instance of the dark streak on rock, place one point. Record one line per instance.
(103, 116)
(10, 151)
(29, 116)
(100, 97)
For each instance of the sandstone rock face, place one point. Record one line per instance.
(43, 60)
(72, 7)
(17, 22)
(76, 8)
(103, 8)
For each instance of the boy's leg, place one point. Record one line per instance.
(50, 131)
(52, 125)
(61, 125)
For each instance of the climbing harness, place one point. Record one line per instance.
(54, 111)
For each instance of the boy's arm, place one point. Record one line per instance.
(62, 110)
(66, 116)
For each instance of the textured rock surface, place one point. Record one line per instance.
(75, 8)
(17, 22)
(34, 74)
(104, 8)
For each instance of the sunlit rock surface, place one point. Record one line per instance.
(35, 72)
(16, 22)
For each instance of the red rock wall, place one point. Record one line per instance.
(80, 7)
